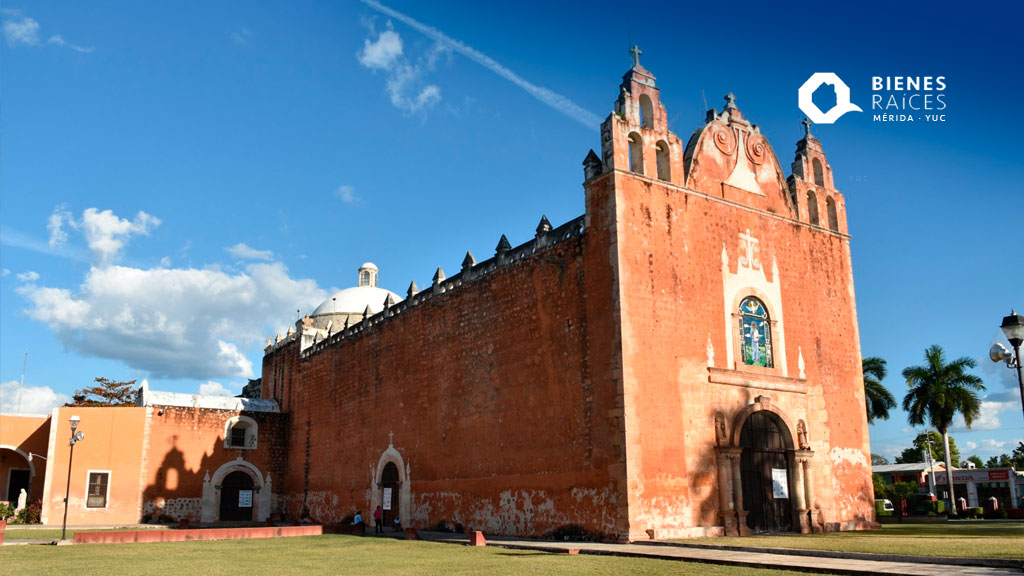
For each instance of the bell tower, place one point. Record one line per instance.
(812, 188)
(635, 138)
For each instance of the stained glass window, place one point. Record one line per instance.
(755, 333)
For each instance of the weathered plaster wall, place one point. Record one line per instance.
(489, 392)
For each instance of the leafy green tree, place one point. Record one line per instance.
(900, 492)
(105, 393)
(938, 391)
(878, 460)
(922, 441)
(879, 400)
(1001, 461)
(881, 488)
(977, 461)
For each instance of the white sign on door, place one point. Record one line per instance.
(387, 499)
(245, 498)
(780, 483)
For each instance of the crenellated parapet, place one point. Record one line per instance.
(312, 340)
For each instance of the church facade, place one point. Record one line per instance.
(681, 360)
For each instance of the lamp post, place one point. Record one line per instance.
(1013, 327)
(76, 437)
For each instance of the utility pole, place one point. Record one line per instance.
(931, 471)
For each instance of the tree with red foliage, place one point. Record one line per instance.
(105, 393)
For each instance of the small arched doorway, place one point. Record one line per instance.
(764, 466)
(15, 475)
(389, 493)
(236, 497)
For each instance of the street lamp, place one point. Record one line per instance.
(76, 437)
(1013, 327)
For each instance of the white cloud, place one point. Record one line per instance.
(548, 97)
(58, 40)
(382, 53)
(971, 445)
(174, 323)
(404, 85)
(347, 194)
(5, 273)
(211, 388)
(18, 399)
(246, 252)
(21, 31)
(988, 416)
(165, 262)
(241, 37)
(106, 234)
(60, 218)
(29, 276)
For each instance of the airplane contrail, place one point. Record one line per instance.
(552, 99)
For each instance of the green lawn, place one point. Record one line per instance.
(976, 540)
(332, 554)
(48, 533)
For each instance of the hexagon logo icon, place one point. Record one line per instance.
(843, 104)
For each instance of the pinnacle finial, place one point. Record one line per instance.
(503, 245)
(635, 53)
(367, 312)
(389, 301)
(413, 289)
(730, 101)
(544, 226)
(439, 275)
(807, 126)
(469, 261)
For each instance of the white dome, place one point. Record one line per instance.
(355, 300)
(368, 266)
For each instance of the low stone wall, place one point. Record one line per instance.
(130, 536)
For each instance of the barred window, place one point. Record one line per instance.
(98, 484)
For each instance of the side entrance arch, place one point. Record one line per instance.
(236, 492)
(390, 493)
(236, 497)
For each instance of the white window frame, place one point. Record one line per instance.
(106, 497)
(251, 432)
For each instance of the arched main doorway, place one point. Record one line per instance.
(237, 497)
(15, 475)
(764, 467)
(389, 493)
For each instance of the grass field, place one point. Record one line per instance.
(332, 554)
(42, 533)
(976, 540)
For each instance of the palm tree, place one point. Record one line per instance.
(937, 392)
(879, 400)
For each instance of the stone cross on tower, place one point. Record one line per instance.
(730, 100)
(635, 52)
(807, 126)
(391, 438)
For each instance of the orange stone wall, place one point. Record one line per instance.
(113, 443)
(500, 394)
(184, 444)
(20, 436)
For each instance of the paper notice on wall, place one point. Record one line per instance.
(245, 498)
(387, 499)
(780, 483)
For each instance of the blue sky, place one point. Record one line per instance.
(178, 179)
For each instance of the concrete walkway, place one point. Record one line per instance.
(737, 558)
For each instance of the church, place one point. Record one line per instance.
(681, 360)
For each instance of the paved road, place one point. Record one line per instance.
(738, 558)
